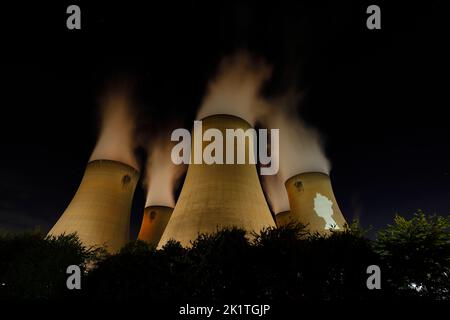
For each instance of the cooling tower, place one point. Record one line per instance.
(283, 218)
(100, 209)
(154, 222)
(218, 195)
(312, 202)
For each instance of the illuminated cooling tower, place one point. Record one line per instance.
(100, 210)
(218, 195)
(313, 203)
(283, 218)
(154, 222)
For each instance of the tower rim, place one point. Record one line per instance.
(225, 115)
(99, 161)
(304, 173)
(282, 212)
(157, 206)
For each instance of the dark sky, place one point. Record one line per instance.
(379, 97)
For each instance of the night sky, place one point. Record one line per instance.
(379, 97)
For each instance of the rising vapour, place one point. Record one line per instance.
(300, 145)
(162, 173)
(116, 139)
(274, 187)
(235, 88)
(276, 193)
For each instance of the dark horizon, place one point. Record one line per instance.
(377, 96)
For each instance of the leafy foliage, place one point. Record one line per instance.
(33, 266)
(416, 255)
(277, 264)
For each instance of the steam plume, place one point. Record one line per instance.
(300, 145)
(162, 173)
(276, 193)
(235, 88)
(116, 139)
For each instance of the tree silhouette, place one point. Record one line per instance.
(285, 264)
(33, 266)
(416, 256)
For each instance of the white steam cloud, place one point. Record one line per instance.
(116, 140)
(235, 88)
(300, 145)
(276, 193)
(162, 173)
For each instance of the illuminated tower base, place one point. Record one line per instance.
(219, 195)
(100, 211)
(312, 202)
(283, 218)
(154, 223)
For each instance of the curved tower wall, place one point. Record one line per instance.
(100, 210)
(283, 218)
(154, 223)
(218, 195)
(312, 202)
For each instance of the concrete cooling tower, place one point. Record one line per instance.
(154, 223)
(218, 195)
(100, 210)
(312, 202)
(283, 218)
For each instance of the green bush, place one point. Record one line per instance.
(416, 256)
(278, 264)
(33, 266)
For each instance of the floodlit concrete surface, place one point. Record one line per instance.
(154, 223)
(283, 218)
(219, 195)
(312, 202)
(100, 210)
